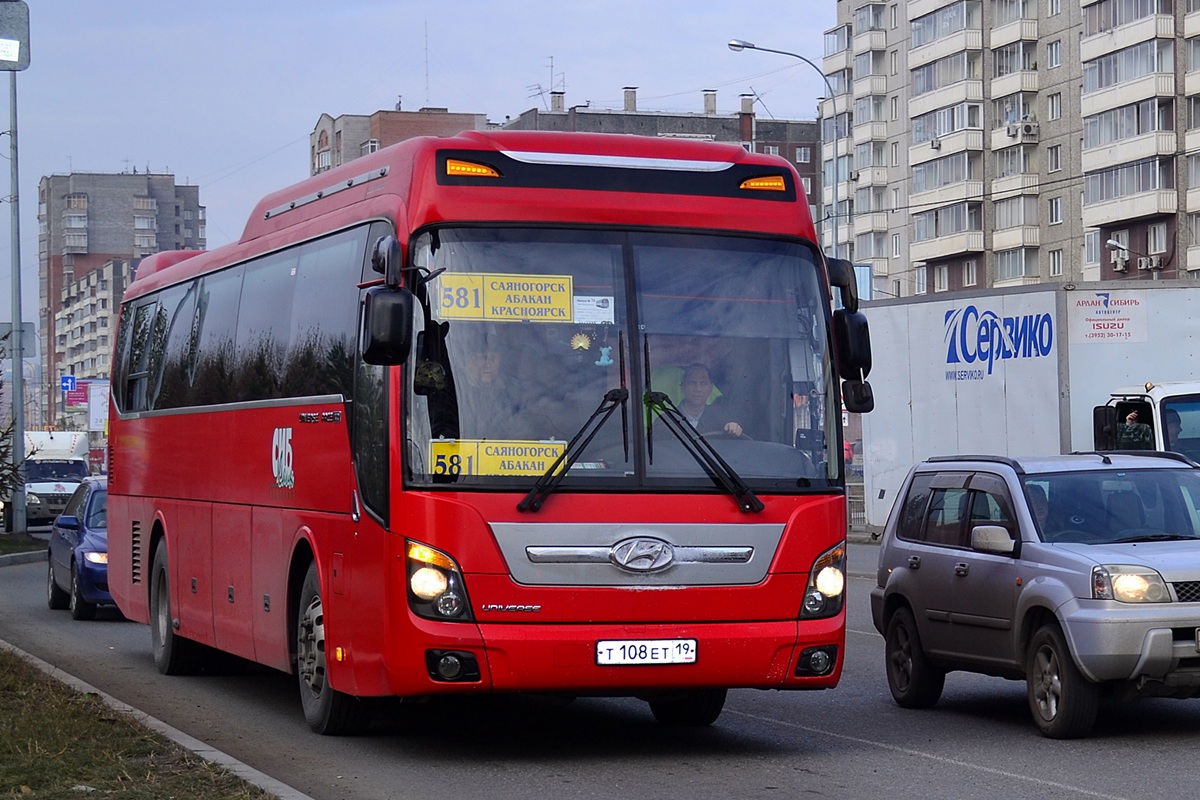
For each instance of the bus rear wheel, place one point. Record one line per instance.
(326, 710)
(689, 709)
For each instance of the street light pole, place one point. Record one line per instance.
(737, 45)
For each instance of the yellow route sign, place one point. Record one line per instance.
(493, 456)
(505, 298)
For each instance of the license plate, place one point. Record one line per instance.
(623, 652)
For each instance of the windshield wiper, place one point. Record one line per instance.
(554, 475)
(1153, 537)
(702, 450)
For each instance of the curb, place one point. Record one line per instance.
(227, 762)
(23, 558)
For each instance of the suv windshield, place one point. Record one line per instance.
(528, 331)
(1106, 506)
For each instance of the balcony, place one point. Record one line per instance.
(1123, 36)
(1025, 132)
(839, 61)
(955, 93)
(970, 39)
(869, 85)
(1193, 259)
(1015, 31)
(870, 223)
(950, 193)
(1020, 236)
(1025, 80)
(868, 40)
(1159, 202)
(969, 139)
(1159, 84)
(879, 266)
(946, 246)
(872, 176)
(870, 132)
(1024, 183)
(1191, 25)
(1136, 148)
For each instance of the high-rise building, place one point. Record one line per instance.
(86, 220)
(989, 144)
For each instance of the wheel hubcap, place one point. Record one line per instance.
(310, 647)
(1047, 690)
(902, 658)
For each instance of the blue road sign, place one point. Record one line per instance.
(67, 383)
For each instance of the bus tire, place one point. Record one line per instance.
(327, 711)
(689, 709)
(173, 654)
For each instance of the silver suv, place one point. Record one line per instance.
(1078, 573)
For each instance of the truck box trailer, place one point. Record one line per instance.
(1020, 371)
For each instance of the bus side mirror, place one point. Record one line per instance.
(387, 260)
(387, 317)
(852, 355)
(1104, 428)
(841, 275)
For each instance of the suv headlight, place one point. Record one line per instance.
(1128, 584)
(825, 593)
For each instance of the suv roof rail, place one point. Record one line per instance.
(1012, 462)
(1168, 454)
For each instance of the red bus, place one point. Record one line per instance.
(500, 412)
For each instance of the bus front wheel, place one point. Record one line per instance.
(173, 654)
(326, 710)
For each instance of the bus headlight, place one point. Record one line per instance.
(435, 584)
(825, 594)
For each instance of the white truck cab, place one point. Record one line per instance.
(55, 463)
(1162, 416)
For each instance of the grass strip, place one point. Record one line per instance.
(56, 742)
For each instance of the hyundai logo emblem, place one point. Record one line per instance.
(642, 554)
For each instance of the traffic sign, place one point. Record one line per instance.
(67, 383)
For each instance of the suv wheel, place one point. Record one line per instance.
(914, 681)
(1063, 702)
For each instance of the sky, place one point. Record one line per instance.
(224, 93)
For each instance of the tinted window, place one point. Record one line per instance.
(913, 513)
(173, 383)
(947, 509)
(216, 322)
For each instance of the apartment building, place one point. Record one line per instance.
(88, 219)
(980, 144)
(335, 140)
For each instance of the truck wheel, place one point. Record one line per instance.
(1063, 702)
(326, 710)
(691, 709)
(80, 608)
(56, 598)
(914, 681)
(173, 654)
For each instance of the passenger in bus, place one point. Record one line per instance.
(492, 406)
(705, 408)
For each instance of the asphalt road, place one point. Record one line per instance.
(851, 742)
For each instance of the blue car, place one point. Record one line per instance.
(78, 557)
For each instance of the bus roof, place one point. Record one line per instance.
(541, 177)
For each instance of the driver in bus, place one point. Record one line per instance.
(492, 405)
(704, 408)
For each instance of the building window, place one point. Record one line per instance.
(1056, 216)
(369, 146)
(1054, 106)
(895, 154)
(1156, 238)
(74, 220)
(895, 62)
(807, 181)
(1053, 7)
(920, 279)
(1054, 158)
(804, 155)
(1091, 247)
(1019, 263)
(1054, 53)
(969, 276)
(145, 241)
(895, 245)
(941, 278)
(144, 223)
(77, 201)
(895, 108)
(771, 149)
(1056, 263)
(1193, 228)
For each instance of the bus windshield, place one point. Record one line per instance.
(526, 331)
